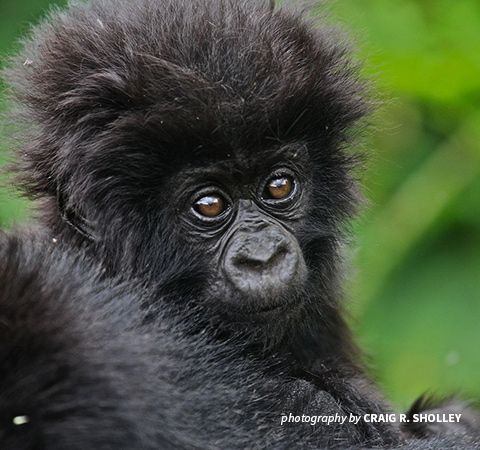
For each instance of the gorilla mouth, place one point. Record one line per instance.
(273, 312)
(281, 308)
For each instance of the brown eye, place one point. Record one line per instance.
(280, 188)
(210, 205)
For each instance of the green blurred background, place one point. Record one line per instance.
(415, 290)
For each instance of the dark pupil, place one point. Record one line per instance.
(209, 206)
(280, 187)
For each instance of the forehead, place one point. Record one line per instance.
(244, 165)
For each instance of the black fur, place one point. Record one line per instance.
(81, 366)
(82, 370)
(133, 107)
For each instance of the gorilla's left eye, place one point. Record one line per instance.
(210, 205)
(279, 188)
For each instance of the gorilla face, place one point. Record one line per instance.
(245, 220)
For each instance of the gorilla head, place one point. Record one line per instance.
(202, 143)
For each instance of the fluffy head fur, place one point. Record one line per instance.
(128, 96)
(123, 93)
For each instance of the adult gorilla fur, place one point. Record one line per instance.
(202, 147)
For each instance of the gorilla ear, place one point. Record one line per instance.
(72, 217)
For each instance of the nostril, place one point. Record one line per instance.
(247, 263)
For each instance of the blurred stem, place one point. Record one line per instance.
(411, 212)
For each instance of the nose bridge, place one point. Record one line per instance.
(250, 219)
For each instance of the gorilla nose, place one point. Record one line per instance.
(261, 263)
(259, 255)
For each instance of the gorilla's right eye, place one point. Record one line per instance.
(279, 188)
(210, 205)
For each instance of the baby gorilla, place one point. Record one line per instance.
(202, 147)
